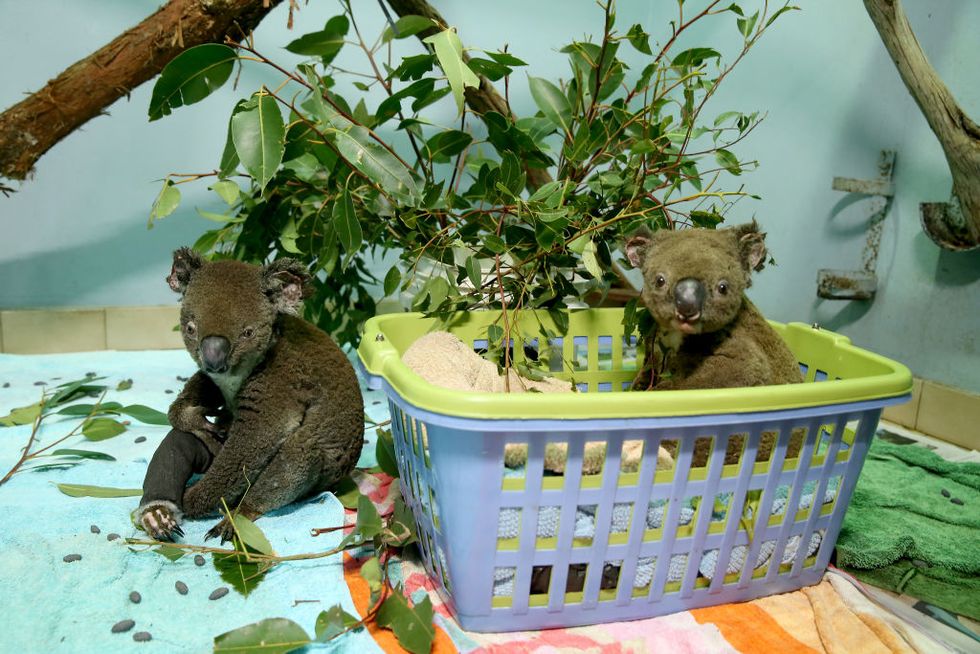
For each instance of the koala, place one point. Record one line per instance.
(707, 333)
(275, 412)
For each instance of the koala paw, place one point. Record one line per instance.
(161, 520)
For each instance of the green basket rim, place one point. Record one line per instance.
(380, 358)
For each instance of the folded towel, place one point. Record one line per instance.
(913, 526)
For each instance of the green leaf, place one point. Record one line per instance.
(23, 415)
(251, 535)
(392, 280)
(708, 219)
(412, 625)
(223, 218)
(73, 390)
(229, 156)
(167, 201)
(402, 515)
(385, 452)
(746, 25)
(346, 223)
(190, 77)
(333, 622)
(639, 39)
(100, 429)
(473, 271)
(372, 574)
(695, 57)
(227, 190)
(368, 521)
(590, 260)
(449, 52)
(82, 490)
(324, 44)
(445, 145)
(145, 414)
(489, 68)
(259, 136)
(407, 26)
(170, 552)
(379, 165)
(495, 333)
(552, 102)
(83, 454)
(506, 59)
(728, 161)
(124, 385)
(269, 636)
(237, 570)
(347, 493)
(781, 11)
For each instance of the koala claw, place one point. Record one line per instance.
(161, 521)
(224, 529)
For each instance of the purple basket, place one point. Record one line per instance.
(516, 550)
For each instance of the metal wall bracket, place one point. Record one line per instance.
(863, 283)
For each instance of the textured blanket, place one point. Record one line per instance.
(65, 584)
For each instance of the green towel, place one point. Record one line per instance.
(913, 526)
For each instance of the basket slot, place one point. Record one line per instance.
(569, 502)
(811, 439)
(629, 359)
(704, 513)
(821, 490)
(529, 520)
(603, 519)
(764, 509)
(638, 525)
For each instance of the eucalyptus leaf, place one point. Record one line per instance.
(324, 44)
(333, 622)
(169, 552)
(407, 26)
(444, 146)
(269, 636)
(347, 493)
(83, 490)
(166, 203)
(379, 165)
(259, 136)
(251, 535)
(190, 77)
(412, 625)
(392, 279)
(552, 102)
(237, 570)
(473, 271)
(449, 52)
(728, 161)
(227, 190)
(385, 451)
(86, 409)
(145, 414)
(100, 429)
(346, 223)
(368, 523)
(371, 573)
(23, 415)
(83, 454)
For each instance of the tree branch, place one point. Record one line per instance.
(84, 90)
(956, 225)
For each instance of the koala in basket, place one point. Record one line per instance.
(275, 412)
(707, 333)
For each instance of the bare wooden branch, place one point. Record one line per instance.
(955, 225)
(84, 90)
(480, 99)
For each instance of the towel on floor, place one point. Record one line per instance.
(913, 526)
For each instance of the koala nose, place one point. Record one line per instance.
(689, 298)
(214, 353)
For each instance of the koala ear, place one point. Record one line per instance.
(286, 283)
(636, 247)
(186, 263)
(751, 245)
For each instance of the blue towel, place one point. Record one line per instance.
(49, 605)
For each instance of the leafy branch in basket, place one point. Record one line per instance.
(98, 423)
(491, 209)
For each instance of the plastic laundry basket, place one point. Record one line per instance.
(522, 548)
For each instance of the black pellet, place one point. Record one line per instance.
(112, 536)
(181, 587)
(944, 492)
(198, 560)
(6, 384)
(139, 439)
(168, 392)
(71, 558)
(91, 374)
(179, 378)
(95, 529)
(142, 636)
(40, 383)
(122, 626)
(376, 402)
(218, 593)
(957, 501)
(135, 597)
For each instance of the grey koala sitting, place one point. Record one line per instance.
(288, 416)
(708, 334)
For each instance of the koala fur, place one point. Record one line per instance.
(708, 334)
(287, 407)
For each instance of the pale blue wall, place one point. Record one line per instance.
(76, 235)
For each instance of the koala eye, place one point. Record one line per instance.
(248, 332)
(191, 328)
(660, 281)
(723, 288)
